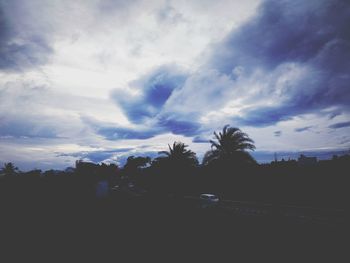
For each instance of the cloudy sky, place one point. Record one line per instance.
(103, 79)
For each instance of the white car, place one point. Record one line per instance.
(115, 188)
(209, 200)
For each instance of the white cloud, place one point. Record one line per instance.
(96, 47)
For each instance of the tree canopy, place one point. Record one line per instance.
(231, 145)
(179, 155)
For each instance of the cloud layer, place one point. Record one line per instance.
(87, 77)
(22, 46)
(293, 58)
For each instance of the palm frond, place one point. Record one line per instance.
(227, 143)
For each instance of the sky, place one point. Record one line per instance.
(100, 80)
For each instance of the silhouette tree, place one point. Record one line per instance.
(133, 169)
(133, 162)
(230, 145)
(179, 155)
(9, 169)
(173, 169)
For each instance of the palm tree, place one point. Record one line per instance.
(179, 155)
(175, 167)
(230, 145)
(9, 169)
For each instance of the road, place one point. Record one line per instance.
(298, 214)
(236, 209)
(175, 226)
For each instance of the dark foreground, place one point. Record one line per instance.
(160, 228)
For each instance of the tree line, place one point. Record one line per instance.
(227, 169)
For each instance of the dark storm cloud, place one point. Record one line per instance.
(310, 39)
(117, 133)
(160, 126)
(20, 48)
(113, 132)
(345, 140)
(155, 89)
(313, 34)
(340, 125)
(277, 133)
(176, 126)
(284, 31)
(186, 128)
(332, 115)
(200, 139)
(265, 116)
(17, 127)
(306, 128)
